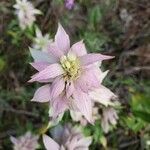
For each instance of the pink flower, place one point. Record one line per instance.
(109, 118)
(69, 4)
(25, 142)
(73, 77)
(66, 138)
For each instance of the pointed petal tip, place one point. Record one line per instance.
(30, 81)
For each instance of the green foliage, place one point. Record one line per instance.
(95, 16)
(133, 123)
(140, 105)
(2, 64)
(95, 41)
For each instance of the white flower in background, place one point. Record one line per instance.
(25, 142)
(41, 42)
(125, 17)
(26, 13)
(66, 138)
(109, 117)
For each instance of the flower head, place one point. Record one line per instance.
(66, 138)
(26, 13)
(109, 118)
(72, 77)
(69, 4)
(25, 142)
(41, 42)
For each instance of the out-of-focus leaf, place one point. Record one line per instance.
(95, 16)
(133, 123)
(95, 41)
(2, 64)
(143, 115)
(103, 141)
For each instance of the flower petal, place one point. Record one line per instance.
(79, 48)
(84, 142)
(69, 89)
(58, 106)
(42, 94)
(49, 143)
(75, 115)
(103, 95)
(62, 39)
(40, 56)
(87, 81)
(51, 71)
(39, 66)
(14, 140)
(83, 103)
(92, 58)
(58, 86)
(54, 50)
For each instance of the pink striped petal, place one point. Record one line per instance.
(55, 50)
(69, 89)
(51, 71)
(87, 81)
(58, 105)
(84, 104)
(79, 48)
(62, 39)
(58, 86)
(103, 95)
(42, 94)
(49, 143)
(92, 58)
(39, 66)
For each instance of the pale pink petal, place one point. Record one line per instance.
(54, 50)
(51, 71)
(85, 142)
(40, 56)
(76, 116)
(92, 58)
(14, 140)
(39, 66)
(62, 39)
(105, 125)
(49, 143)
(57, 86)
(103, 95)
(79, 48)
(83, 103)
(58, 105)
(87, 81)
(69, 89)
(42, 94)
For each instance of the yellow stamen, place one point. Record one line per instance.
(71, 66)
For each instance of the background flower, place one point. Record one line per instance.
(109, 118)
(69, 4)
(25, 142)
(41, 42)
(26, 13)
(66, 138)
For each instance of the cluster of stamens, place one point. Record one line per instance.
(71, 66)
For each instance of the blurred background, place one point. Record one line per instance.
(115, 27)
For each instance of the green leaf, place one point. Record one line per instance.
(143, 115)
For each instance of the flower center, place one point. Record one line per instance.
(71, 66)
